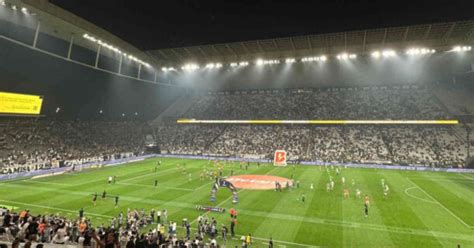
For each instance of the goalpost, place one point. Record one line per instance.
(279, 158)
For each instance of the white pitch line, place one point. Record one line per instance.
(53, 208)
(407, 231)
(441, 205)
(470, 178)
(416, 197)
(158, 173)
(50, 183)
(151, 186)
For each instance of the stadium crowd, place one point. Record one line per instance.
(432, 146)
(123, 230)
(32, 144)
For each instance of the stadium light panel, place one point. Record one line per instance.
(190, 67)
(290, 60)
(243, 63)
(420, 51)
(375, 54)
(346, 56)
(233, 64)
(210, 65)
(462, 48)
(2, 2)
(259, 62)
(24, 10)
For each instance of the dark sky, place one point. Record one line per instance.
(153, 24)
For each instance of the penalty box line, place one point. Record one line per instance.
(441, 205)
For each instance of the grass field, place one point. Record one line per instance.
(424, 209)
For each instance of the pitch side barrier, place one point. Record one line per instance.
(410, 167)
(54, 171)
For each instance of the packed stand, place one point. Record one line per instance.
(125, 230)
(32, 144)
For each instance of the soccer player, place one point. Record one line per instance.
(337, 171)
(115, 179)
(332, 185)
(343, 180)
(94, 198)
(156, 182)
(110, 180)
(346, 193)
(358, 193)
(328, 187)
(366, 200)
(116, 201)
(104, 194)
(311, 186)
(303, 198)
(366, 209)
(81, 213)
(386, 190)
(383, 183)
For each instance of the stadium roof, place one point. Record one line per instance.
(437, 36)
(63, 24)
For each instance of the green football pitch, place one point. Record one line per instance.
(423, 209)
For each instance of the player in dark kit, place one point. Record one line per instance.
(94, 198)
(104, 194)
(156, 182)
(366, 209)
(116, 201)
(81, 213)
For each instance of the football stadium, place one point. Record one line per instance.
(177, 124)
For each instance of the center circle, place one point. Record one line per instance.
(257, 181)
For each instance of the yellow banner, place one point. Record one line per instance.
(323, 122)
(22, 104)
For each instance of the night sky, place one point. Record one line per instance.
(154, 24)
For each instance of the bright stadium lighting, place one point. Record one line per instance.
(259, 62)
(14, 7)
(243, 63)
(190, 67)
(210, 65)
(376, 54)
(389, 53)
(420, 51)
(384, 53)
(290, 60)
(2, 2)
(462, 48)
(218, 65)
(24, 10)
(115, 49)
(233, 64)
(346, 56)
(312, 59)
